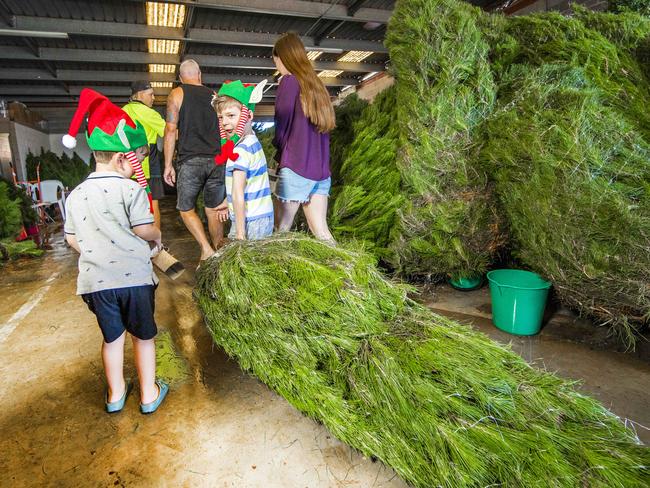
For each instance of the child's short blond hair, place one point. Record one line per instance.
(104, 157)
(224, 102)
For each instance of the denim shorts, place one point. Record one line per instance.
(198, 174)
(255, 229)
(121, 309)
(292, 187)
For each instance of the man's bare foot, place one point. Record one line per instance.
(221, 243)
(206, 253)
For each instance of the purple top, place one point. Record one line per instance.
(301, 148)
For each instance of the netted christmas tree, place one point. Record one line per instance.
(439, 403)
(365, 206)
(347, 113)
(449, 224)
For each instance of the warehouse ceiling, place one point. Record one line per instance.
(51, 49)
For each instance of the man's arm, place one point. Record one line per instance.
(174, 102)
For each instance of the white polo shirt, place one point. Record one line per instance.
(101, 212)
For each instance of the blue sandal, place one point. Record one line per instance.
(117, 406)
(163, 388)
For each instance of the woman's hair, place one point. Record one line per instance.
(314, 97)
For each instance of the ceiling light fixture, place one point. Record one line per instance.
(355, 56)
(163, 46)
(162, 68)
(314, 55)
(161, 84)
(330, 73)
(30, 33)
(165, 14)
(372, 25)
(369, 75)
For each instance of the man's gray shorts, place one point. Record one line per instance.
(196, 174)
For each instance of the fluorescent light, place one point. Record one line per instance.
(330, 73)
(314, 55)
(30, 33)
(161, 84)
(162, 68)
(372, 25)
(369, 75)
(163, 46)
(165, 14)
(355, 56)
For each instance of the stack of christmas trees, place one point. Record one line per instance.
(525, 137)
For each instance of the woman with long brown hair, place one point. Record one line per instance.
(304, 116)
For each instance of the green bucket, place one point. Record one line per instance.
(518, 300)
(466, 284)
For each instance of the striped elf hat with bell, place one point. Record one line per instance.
(248, 94)
(109, 128)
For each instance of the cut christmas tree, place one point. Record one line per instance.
(439, 403)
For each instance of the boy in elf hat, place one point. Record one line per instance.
(247, 181)
(109, 222)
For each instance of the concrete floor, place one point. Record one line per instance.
(219, 426)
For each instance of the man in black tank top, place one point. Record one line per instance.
(190, 112)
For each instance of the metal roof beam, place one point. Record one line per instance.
(295, 8)
(97, 28)
(209, 36)
(41, 90)
(88, 56)
(137, 57)
(79, 76)
(261, 39)
(267, 63)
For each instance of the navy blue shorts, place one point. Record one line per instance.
(121, 309)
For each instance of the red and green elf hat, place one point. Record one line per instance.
(109, 127)
(248, 95)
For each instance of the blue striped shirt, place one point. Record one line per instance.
(257, 193)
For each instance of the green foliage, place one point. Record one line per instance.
(69, 171)
(625, 6)
(630, 32)
(439, 403)
(10, 214)
(364, 207)
(28, 214)
(10, 249)
(266, 139)
(347, 113)
(552, 38)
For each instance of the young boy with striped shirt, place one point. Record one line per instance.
(248, 191)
